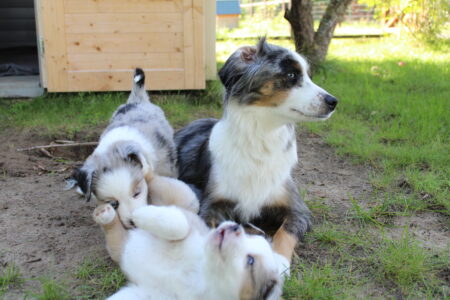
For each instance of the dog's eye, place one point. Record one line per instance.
(291, 75)
(137, 193)
(250, 260)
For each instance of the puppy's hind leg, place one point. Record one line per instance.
(166, 222)
(115, 233)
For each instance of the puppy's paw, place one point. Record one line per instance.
(104, 214)
(284, 267)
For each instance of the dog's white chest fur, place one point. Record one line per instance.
(250, 164)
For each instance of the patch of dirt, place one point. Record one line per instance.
(47, 231)
(324, 175)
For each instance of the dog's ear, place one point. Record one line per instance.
(248, 54)
(236, 65)
(262, 48)
(82, 177)
(266, 289)
(132, 153)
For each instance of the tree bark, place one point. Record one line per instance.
(314, 45)
(302, 24)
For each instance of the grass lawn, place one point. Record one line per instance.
(392, 118)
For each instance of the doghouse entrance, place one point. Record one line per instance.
(19, 60)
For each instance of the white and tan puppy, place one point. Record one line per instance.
(173, 255)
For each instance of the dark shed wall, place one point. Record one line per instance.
(17, 23)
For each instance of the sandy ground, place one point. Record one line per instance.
(47, 231)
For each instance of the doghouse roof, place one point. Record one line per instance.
(228, 7)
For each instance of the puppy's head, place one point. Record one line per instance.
(116, 177)
(269, 76)
(244, 263)
(82, 178)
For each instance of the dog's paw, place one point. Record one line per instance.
(284, 267)
(104, 214)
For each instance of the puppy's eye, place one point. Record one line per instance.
(137, 193)
(291, 75)
(250, 260)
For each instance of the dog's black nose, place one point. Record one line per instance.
(330, 101)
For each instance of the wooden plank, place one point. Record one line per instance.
(122, 6)
(199, 43)
(120, 61)
(210, 40)
(122, 80)
(124, 42)
(55, 44)
(123, 22)
(188, 44)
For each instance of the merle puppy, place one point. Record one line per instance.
(136, 146)
(243, 161)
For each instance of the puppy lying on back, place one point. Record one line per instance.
(136, 148)
(173, 255)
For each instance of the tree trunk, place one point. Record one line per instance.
(314, 45)
(302, 24)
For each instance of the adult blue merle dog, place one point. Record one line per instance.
(243, 161)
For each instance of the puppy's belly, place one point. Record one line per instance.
(166, 268)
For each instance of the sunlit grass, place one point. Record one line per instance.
(99, 278)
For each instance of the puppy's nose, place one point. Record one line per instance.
(330, 101)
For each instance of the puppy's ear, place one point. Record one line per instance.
(236, 65)
(82, 177)
(262, 48)
(248, 54)
(132, 153)
(267, 289)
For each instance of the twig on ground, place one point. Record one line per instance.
(58, 145)
(46, 153)
(64, 142)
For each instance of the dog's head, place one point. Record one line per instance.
(269, 76)
(116, 177)
(245, 264)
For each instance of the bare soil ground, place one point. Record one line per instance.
(47, 231)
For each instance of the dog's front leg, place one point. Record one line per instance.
(297, 222)
(166, 222)
(170, 191)
(115, 233)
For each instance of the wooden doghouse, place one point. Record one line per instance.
(94, 45)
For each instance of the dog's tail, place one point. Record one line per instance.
(138, 93)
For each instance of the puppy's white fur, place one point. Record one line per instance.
(119, 185)
(172, 255)
(127, 133)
